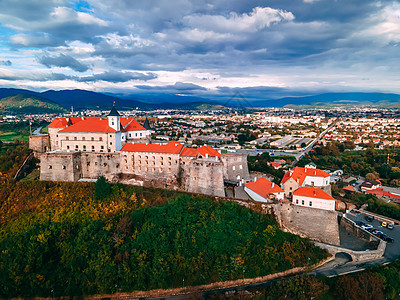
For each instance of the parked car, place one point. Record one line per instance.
(390, 226)
(371, 229)
(388, 239)
(355, 211)
(359, 223)
(384, 224)
(378, 233)
(369, 218)
(367, 226)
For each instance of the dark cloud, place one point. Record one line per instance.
(5, 63)
(177, 87)
(62, 61)
(115, 77)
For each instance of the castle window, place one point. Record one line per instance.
(92, 147)
(302, 202)
(75, 138)
(50, 167)
(84, 147)
(95, 163)
(310, 203)
(76, 146)
(233, 168)
(110, 143)
(110, 135)
(101, 147)
(100, 139)
(117, 166)
(130, 135)
(112, 123)
(105, 164)
(88, 163)
(67, 138)
(297, 201)
(140, 134)
(83, 138)
(57, 135)
(101, 150)
(154, 169)
(136, 134)
(240, 167)
(92, 138)
(68, 147)
(64, 167)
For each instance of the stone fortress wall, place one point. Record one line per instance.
(197, 175)
(317, 224)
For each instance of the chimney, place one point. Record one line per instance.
(255, 179)
(273, 184)
(206, 155)
(315, 192)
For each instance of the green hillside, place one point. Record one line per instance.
(29, 104)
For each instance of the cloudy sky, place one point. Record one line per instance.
(201, 47)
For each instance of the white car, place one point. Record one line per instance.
(367, 226)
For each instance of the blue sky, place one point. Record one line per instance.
(203, 48)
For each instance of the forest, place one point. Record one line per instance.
(84, 238)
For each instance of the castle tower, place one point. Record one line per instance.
(114, 119)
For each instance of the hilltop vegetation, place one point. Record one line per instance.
(83, 238)
(29, 104)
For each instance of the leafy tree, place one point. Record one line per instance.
(102, 189)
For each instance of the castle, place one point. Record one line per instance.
(118, 148)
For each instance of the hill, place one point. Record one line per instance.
(29, 104)
(59, 236)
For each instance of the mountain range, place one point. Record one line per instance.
(58, 101)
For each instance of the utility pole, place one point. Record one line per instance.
(243, 275)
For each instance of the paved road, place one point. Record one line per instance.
(37, 131)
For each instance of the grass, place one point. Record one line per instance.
(11, 136)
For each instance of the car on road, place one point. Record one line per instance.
(355, 211)
(390, 226)
(369, 218)
(367, 226)
(384, 224)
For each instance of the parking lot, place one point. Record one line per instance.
(392, 249)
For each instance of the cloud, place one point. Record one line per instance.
(64, 61)
(258, 19)
(116, 76)
(36, 76)
(178, 87)
(5, 63)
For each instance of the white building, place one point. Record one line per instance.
(314, 198)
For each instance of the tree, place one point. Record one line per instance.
(102, 189)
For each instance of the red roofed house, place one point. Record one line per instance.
(314, 198)
(263, 190)
(95, 134)
(275, 165)
(308, 176)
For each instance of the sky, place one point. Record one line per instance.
(260, 49)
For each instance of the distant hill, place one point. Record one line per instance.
(29, 104)
(81, 99)
(383, 99)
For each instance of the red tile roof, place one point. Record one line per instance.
(263, 187)
(172, 147)
(129, 124)
(349, 188)
(203, 150)
(64, 122)
(92, 124)
(312, 192)
(299, 174)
